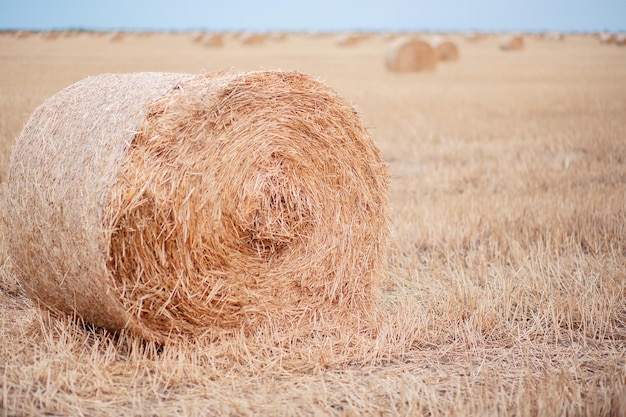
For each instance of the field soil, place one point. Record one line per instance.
(504, 291)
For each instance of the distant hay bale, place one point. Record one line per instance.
(349, 39)
(512, 43)
(116, 37)
(389, 36)
(23, 34)
(178, 205)
(473, 37)
(445, 49)
(278, 37)
(608, 38)
(410, 54)
(251, 39)
(620, 39)
(213, 40)
(197, 37)
(555, 36)
(50, 36)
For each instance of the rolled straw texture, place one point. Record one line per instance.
(186, 205)
(410, 54)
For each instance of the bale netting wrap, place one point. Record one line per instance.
(174, 204)
(410, 54)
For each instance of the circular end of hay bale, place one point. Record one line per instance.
(171, 204)
(410, 54)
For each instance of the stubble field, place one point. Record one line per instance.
(505, 289)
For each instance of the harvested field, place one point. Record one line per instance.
(504, 290)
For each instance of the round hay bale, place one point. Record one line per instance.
(117, 36)
(251, 39)
(445, 49)
(278, 36)
(473, 37)
(184, 205)
(512, 43)
(197, 37)
(555, 36)
(50, 36)
(410, 54)
(608, 38)
(213, 40)
(23, 34)
(349, 39)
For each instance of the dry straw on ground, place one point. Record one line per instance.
(410, 54)
(512, 43)
(445, 49)
(176, 204)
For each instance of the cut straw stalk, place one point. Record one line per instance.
(176, 204)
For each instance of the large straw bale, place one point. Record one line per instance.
(177, 205)
(512, 43)
(410, 54)
(445, 49)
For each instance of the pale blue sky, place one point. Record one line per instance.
(457, 15)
